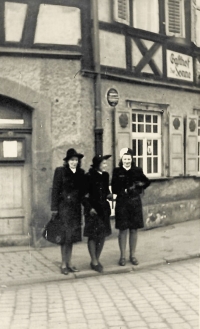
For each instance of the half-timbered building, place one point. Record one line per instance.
(98, 75)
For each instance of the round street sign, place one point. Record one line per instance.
(113, 97)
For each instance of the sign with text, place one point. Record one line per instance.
(179, 66)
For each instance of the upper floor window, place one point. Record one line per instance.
(144, 15)
(175, 18)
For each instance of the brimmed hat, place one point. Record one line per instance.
(126, 151)
(98, 159)
(72, 153)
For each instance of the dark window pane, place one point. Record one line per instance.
(148, 128)
(134, 117)
(198, 148)
(155, 119)
(155, 147)
(140, 147)
(134, 146)
(140, 128)
(140, 117)
(148, 118)
(199, 123)
(198, 132)
(149, 170)
(140, 162)
(134, 128)
(155, 129)
(134, 160)
(155, 165)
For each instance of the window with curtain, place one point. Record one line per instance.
(146, 15)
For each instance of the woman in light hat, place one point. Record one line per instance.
(67, 193)
(97, 210)
(128, 181)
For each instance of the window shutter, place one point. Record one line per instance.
(176, 153)
(121, 11)
(123, 131)
(175, 17)
(191, 145)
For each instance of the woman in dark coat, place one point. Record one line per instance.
(67, 193)
(128, 181)
(97, 210)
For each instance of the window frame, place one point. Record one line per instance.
(144, 136)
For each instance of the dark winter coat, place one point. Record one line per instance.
(128, 211)
(97, 226)
(67, 193)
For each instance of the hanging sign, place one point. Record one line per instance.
(113, 97)
(179, 66)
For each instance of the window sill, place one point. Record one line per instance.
(158, 179)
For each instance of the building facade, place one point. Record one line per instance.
(61, 64)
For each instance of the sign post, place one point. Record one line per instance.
(112, 97)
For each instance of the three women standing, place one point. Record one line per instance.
(71, 187)
(128, 181)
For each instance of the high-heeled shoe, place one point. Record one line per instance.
(96, 268)
(73, 269)
(134, 260)
(64, 270)
(122, 261)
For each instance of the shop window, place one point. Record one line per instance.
(146, 142)
(175, 18)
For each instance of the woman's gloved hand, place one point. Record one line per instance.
(93, 212)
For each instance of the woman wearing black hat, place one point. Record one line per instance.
(128, 181)
(97, 210)
(67, 193)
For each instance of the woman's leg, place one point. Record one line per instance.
(66, 252)
(99, 247)
(92, 251)
(122, 238)
(133, 242)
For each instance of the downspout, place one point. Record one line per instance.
(98, 130)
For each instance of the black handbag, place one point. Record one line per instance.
(54, 230)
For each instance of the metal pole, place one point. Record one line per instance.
(98, 130)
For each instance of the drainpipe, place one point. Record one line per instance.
(98, 130)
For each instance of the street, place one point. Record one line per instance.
(162, 297)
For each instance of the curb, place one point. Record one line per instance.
(88, 273)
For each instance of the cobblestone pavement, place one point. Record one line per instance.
(164, 297)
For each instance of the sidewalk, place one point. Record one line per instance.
(26, 265)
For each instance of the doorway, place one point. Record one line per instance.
(15, 167)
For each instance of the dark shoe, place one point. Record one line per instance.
(64, 270)
(101, 266)
(122, 261)
(134, 261)
(73, 269)
(96, 268)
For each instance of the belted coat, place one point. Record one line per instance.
(67, 194)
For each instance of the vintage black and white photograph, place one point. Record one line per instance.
(99, 164)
